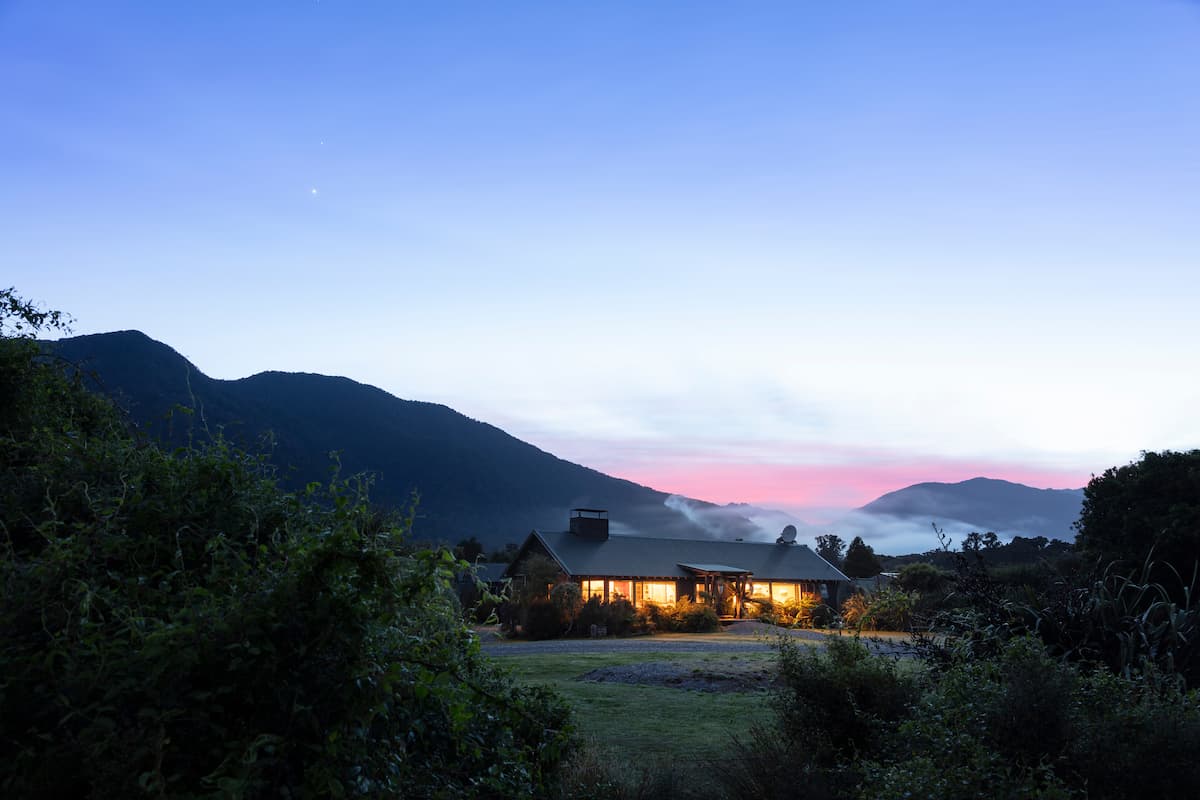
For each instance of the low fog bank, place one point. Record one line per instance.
(900, 536)
(888, 534)
(738, 520)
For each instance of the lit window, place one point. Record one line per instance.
(784, 592)
(591, 589)
(761, 589)
(661, 592)
(621, 589)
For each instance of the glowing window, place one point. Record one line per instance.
(784, 592)
(761, 589)
(661, 592)
(591, 589)
(621, 588)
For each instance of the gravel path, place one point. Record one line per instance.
(746, 637)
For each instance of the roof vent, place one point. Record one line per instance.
(590, 523)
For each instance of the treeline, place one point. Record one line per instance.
(1020, 551)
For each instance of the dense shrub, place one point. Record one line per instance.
(592, 612)
(686, 616)
(616, 616)
(824, 616)
(619, 617)
(175, 625)
(841, 702)
(568, 599)
(1027, 724)
(543, 619)
(1019, 724)
(889, 610)
(1127, 623)
(1033, 576)
(922, 578)
(682, 616)
(806, 611)
(1123, 621)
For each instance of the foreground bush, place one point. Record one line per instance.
(1021, 724)
(175, 625)
(1026, 724)
(839, 702)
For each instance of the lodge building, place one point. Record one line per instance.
(651, 570)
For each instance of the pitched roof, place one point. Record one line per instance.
(490, 573)
(639, 556)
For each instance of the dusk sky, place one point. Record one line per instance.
(798, 254)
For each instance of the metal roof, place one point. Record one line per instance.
(725, 568)
(490, 573)
(639, 556)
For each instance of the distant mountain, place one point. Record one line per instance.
(984, 504)
(474, 479)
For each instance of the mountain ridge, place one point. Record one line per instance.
(474, 479)
(989, 504)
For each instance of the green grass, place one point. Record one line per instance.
(645, 724)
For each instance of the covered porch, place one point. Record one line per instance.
(721, 582)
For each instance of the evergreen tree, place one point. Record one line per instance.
(861, 561)
(831, 547)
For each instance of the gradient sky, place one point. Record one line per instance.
(794, 253)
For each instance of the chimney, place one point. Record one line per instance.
(590, 523)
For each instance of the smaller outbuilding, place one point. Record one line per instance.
(653, 570)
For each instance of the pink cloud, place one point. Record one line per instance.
(830, 477)
(823, 485)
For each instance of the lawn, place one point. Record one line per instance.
(644, 724)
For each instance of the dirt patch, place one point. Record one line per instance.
(723, 678)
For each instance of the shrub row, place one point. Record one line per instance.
(561, 615)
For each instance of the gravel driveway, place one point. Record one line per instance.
(746, 636)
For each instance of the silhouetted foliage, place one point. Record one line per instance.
(543, 619)
(839, 703)
(1150, 505)
(860, 561)
(922, 578)
(175, 625)
(831, 548)
(468, 549)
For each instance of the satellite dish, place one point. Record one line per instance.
(788, 536)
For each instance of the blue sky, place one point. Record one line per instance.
(790, 253)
